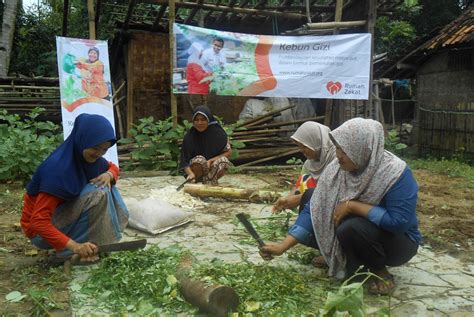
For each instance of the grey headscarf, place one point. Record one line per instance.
(377, 170)
(316, 137)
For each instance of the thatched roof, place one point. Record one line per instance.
(457, 34)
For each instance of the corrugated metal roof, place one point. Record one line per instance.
(459, 31)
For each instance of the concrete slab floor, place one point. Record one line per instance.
(429, 285)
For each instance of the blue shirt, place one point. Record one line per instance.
(397, 210)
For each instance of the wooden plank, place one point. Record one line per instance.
(173, 102)
(159, 16)
(223, 15)
(192, 13)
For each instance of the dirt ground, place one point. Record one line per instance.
(445, 212)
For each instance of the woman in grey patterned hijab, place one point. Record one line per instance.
(364, 210)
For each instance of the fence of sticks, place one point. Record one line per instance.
(266, 140)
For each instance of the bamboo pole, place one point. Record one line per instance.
(270, 114)
(268, 168)
(331, 25)
(174, 106)
(372, 16)
(222, 8)
(271, 158)
(279, 124)
(252, 195)
(90, 10)
(259, 132)
(119, 89)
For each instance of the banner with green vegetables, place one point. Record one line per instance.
(236, 64)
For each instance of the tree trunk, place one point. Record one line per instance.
(8, 29)
(252, 195)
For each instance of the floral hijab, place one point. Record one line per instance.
(363, 142)
(316, 137)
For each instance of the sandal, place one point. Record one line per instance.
(383, 286)
(319, 262)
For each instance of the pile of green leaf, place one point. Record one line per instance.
(266, 290)
(141, 282)
(272, 228)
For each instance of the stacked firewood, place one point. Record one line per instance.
(267, 140)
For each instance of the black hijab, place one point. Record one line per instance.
(209, 143)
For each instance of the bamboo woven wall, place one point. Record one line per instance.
(148, 76)
(446, 106)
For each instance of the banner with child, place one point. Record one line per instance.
(235, 64)
(84, 81)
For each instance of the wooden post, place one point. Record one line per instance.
(372, 16)
(90, 10)
(65, 17)
(174, 106)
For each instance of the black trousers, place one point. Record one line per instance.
(365, 244)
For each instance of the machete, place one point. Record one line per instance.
(250, 229)
(182, 185)
(113, 247)
(123, 246)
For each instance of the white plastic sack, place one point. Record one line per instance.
(154, 215)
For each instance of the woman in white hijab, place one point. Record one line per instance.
(313, 141)
(363, 211)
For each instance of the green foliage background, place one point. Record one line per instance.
(34, 49)
(24, 144)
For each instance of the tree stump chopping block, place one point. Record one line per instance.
(216, 300)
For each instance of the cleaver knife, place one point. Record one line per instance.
(250, 229)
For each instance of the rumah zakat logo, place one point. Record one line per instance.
(333, 87)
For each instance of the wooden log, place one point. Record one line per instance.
(214, 299)
(252, 195)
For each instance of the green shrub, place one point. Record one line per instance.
(24, 144)
(393, 144)
(158, 144)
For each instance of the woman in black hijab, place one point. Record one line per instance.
(205, 150)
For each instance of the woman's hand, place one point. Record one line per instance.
(341, 212)
(191, 178)
(270, 249)
(288, 202)
(280, 204)
(87, 250)
(103, 180)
